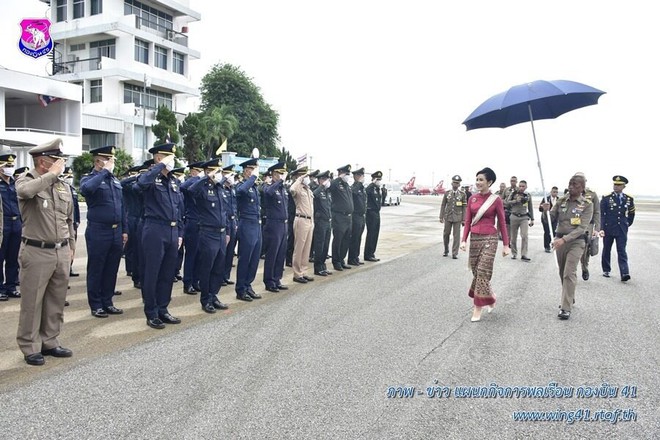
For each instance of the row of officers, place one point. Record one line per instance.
(160, 222)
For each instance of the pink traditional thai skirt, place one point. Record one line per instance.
(482, 256)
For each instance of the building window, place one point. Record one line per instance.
(152, 99)
(142, 51)
(97, 7)
(78, 8)
(61, 10)
(77, 47)
(96, 90)
(149, 16)
(103, 48)
(160, 58)
(178, 63)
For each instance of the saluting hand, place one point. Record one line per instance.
(57, 167)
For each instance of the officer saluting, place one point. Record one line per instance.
(191, 231)
(232, 221)
(617, 212)
(374, 202)
(322, 217)
(211, 208)
(276, 201)
(342, 211)
(162, 234)
(106, 233)
(47, 212)
(249, 231)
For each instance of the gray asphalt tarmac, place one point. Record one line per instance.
(317, 361)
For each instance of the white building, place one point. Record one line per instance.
(130, 57)
(25, 122)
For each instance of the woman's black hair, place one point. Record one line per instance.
(489, 174)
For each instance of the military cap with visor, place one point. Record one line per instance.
(52, 148)
(167, 148)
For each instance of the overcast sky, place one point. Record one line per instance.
(386, 84)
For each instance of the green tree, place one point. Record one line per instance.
(219, 125)
(285, 156)
(84, 164)
(166, 128)
(192, 131)
(227, 85)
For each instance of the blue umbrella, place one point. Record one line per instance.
(530, 101)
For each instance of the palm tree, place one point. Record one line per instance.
(219, 125)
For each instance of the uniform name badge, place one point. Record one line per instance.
(459, 203)
(576, 221)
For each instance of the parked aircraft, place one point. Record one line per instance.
(409, 187)
(439, 189)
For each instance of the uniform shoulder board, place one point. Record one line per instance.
(563, 198)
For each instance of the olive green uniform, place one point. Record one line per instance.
(46, 207)
(452, 213)
(521, 213)
(573, 217)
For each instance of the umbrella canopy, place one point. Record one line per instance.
(532, 101)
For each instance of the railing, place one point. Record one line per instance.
(39, 130)
(162, 31)
(77, 66)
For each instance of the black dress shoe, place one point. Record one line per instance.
(288, 265)
(112, 310)
(219, 305)
(178, 277)
(353, 262)
(625, 278)
(3, 297)
(246, 297)
(327, 272)
(13, 294)
(525, 258)
(606, 274)
(169, 319)
(230, 282)
(444, 254)
(308, 278)
(66, 303)
(58, 352)
(585, 274)
(197, 287)
(99, 313)
(117, 292)
(190, 290)
(454, 257)
(73, 274)
(252, 294)
(345, 266)
(208, 308)
(282, 287)
(374, 259)
(35, 359)
(156, 323)
(137, 285)
(337, 267)
(301, 280)
(270, 289)
(548, 251)
(223, 283)
(564, 314)
(321, 274)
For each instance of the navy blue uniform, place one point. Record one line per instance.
(232, 228)
(209, 198)
(616, 215)
(275, 232)
(249, 234)
(322, 218)
(374, 202)
(190, 235)
(357, 226)
(133, 212)
(106, 222)
(342, 211)
(11, 237)
(161, 231)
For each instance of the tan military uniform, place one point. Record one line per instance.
(452, 213)
(522, 212)
(303, 226)
(573, 219)
(46, 207)
(593, 225)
